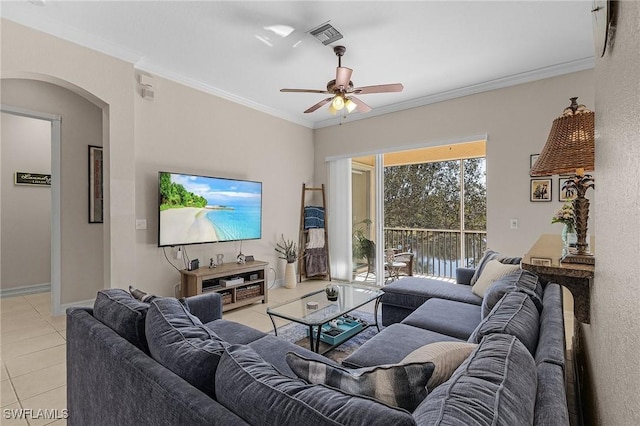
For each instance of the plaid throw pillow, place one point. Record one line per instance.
(398, 385)
(141, 295)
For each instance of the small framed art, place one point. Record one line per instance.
(532, 160)
(540, 190)
(565, 195)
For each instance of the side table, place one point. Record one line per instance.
(543, 259)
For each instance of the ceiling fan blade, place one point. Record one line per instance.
(343, 77)
(318, 105)
(380, 88)
(305, 91)
(360, 106)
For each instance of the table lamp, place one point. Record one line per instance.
(570, 148)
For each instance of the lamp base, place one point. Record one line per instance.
(585, 259)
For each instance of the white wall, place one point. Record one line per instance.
(516, 120)
(188, 131)
(81, 242)
(182, 130)
(26, 209)
(108, 83)
(611, 340)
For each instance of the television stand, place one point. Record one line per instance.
(238, 284)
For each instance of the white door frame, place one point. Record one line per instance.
(56, 260)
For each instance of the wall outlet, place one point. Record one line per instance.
(514, 223)
(179, 253)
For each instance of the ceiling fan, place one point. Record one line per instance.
(343, 91)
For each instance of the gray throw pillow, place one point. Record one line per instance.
(118, 310)
(491, 255)
(399, 385)
(180, 342)
(261, 395)
(516, 315)
(496, 385)
(522, 281)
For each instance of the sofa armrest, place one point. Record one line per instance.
(464, 275)
(207, 307)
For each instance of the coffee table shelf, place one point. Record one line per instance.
(314, 310)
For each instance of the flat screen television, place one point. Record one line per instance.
(196, 209)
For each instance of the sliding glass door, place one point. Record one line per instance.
(424, 208)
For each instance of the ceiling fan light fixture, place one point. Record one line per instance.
(338, 102)
(332, 110)
(350, 105)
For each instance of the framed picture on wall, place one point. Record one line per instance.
(540, 190)
(96, 198)
(532, 160)
(565, 195)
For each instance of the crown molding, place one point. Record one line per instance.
(500, 83)
(77, 36)
(198, 85)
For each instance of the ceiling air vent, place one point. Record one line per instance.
(326, 34)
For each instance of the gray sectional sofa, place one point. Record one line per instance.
(173, 363)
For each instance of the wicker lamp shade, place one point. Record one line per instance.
(570, 145)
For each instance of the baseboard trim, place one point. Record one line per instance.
(25, 290)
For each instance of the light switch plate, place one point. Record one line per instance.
(514, 223)
(141, 223)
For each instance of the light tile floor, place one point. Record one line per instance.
(33, 352)
(33, 361)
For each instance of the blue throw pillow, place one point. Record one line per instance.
(496, 385)
(516, 315)
(125, 315)
(522, 281)
(261, 395)
(180, 342)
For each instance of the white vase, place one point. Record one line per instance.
(290, 276)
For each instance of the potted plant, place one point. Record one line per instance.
(362, 247)
(288, 251)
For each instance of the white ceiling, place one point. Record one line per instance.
(437, 49)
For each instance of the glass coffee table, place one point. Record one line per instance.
(316, 312)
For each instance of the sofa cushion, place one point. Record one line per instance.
(523, 281)
(255, 390)
(551, 342)
(551, 400)
(234, 333)
(443, 316)
(516, 315)
(180, 342)
(273, 350)
(411, 292)
(401, 385)
(492, 271)
(491, 255)
(125, 315)
(392, 344)
(445, 356)
(496, 385)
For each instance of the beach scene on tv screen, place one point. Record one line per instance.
(199, 209)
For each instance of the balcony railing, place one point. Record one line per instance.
(438, 252)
